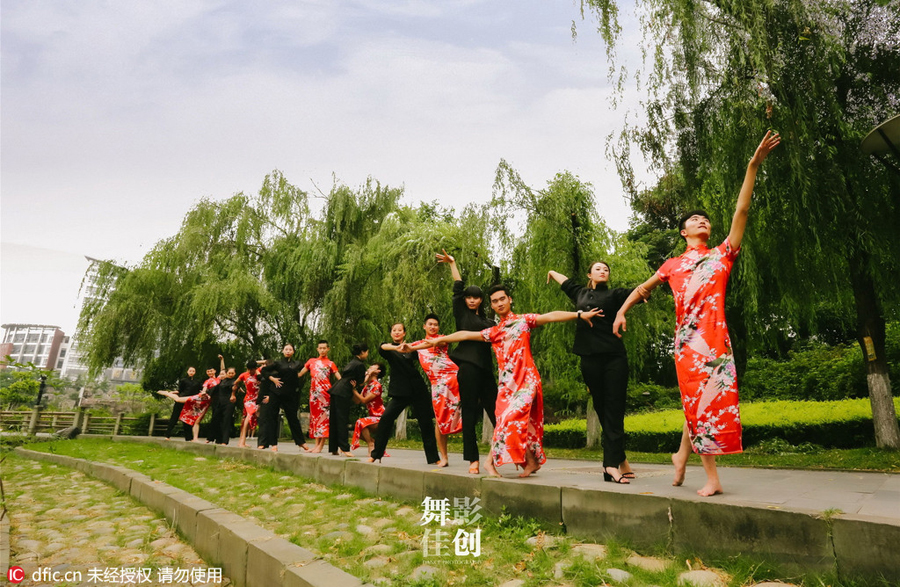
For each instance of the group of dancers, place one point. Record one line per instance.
(462, 382)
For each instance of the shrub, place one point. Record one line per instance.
(835, 424)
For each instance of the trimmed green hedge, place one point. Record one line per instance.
(836, 424)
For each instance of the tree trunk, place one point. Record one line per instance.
(593, 426)
(487, 430)
(870, 333)
(400, 426)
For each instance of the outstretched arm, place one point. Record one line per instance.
(739, 222)
(640, 294)
(455, 337)
(445, 257)
(560, 316)
(557, 277)
(303, 372)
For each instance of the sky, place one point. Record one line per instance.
(117, 117)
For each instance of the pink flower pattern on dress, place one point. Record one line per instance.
(704, 360)
(520, 399)
(320, 371)
(375, 408)
(195, 407)
(251, 408)
(442, 373)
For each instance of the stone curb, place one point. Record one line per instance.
(4, 544)
(249, 555)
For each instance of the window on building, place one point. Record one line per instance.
(33, 337)
(62, 353)
(44, 337)
(20, 337)
(59, 364)
(29, 349)
(17, 348)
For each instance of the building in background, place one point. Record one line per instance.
(40, 344)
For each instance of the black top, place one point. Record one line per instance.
(288, 371)
(266, 387)
(221, 393)
(188, 387)
(405, 378)
(353, 372)
(471, 351)
(600, 337)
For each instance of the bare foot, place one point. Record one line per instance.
(274, 449)
(345, 454)
(680, 466)
(316, 449)
(442, 463)
(371, 460)
(304, 447)
(709, 489)
(528, 469)
(491, 470)
(473, 468)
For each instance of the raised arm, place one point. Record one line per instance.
(445, 257)
(557, 277)
(640, 294)
(739, 222)
(221, 366)
(560, 316)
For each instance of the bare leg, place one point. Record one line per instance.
(243, 440)
(625, 469)
(531, 465)
(367, 436)
(680, 458)
(490, 468)
(196, 431)
(712, 486)
(442, 447)
(320, 444)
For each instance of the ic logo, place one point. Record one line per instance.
(15, 574)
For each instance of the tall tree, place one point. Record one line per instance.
(823, 221)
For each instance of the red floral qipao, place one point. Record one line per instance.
(375, 407)
(520, 399)
(441, 373)
(195, 407)
(320, 371)
(250, 406)
(703, 358)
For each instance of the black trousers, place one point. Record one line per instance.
(222, 422)
(268, 425)
(290, 403)
(477, 394)
(212, 428)
(176, 413)
(606, 376)
(338, 420)
(424, 413)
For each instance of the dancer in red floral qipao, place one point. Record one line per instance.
(196, 406)
(248, 379)
(704, 360)
(519, 434)
(320, 371)
(371, 398)
(441, 372)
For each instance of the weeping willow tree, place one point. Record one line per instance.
(823, 222)
(559, 228)
(245, 275)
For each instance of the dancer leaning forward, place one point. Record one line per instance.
(519, 433)
(704, 360)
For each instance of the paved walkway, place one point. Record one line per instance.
(813, 492)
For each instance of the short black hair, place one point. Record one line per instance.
(499, 287)
(396, 323)
(381, 370)
(432, 316)
(322, 341)
(684, 217)
(359, 348)
(251, 365)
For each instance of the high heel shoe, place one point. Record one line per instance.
(622, 479)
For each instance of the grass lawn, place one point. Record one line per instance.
(380, 540)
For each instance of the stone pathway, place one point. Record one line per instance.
(64, 521)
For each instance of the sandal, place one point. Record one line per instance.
(620, 479)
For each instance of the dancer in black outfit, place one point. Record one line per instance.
(604, 363)
(352, 376)
(287, 393)
(406, 388)
(222, 421)
(477, 386)
(187, 386)
(268, 423)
